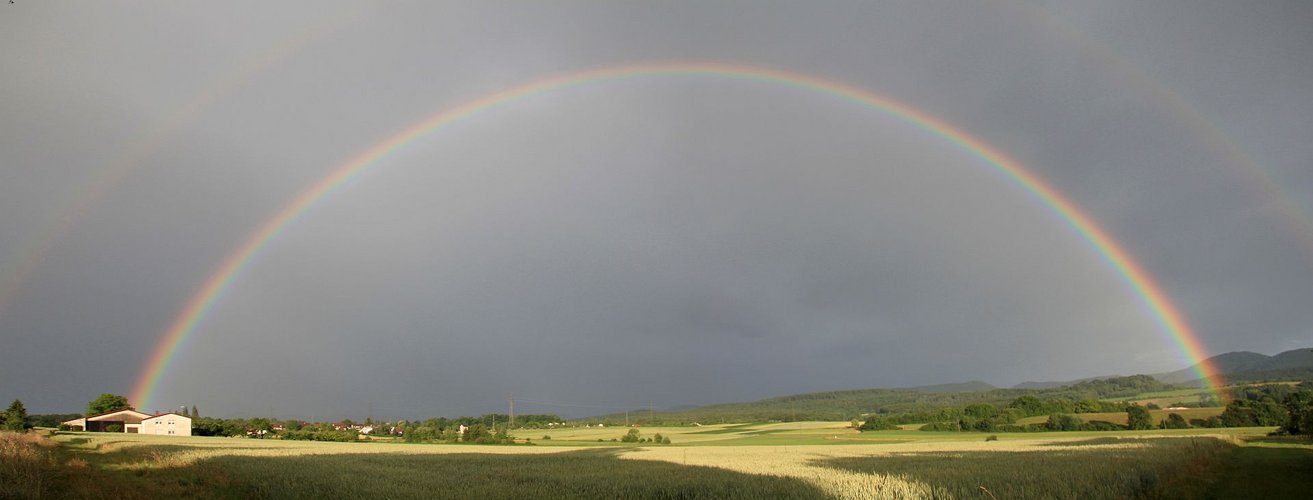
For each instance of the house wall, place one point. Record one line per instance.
(167, 425)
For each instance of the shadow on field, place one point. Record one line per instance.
(1162, 468)
(574, 474)
(1258, 471)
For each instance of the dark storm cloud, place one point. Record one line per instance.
(669, 240)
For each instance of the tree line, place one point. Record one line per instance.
(1287, 407)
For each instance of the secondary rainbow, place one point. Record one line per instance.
(133, 157)
(1156, 303)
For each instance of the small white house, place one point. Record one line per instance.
(168, 424)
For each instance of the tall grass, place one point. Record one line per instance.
(1155, 468)
(27, 465)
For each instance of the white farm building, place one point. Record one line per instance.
(134, 422)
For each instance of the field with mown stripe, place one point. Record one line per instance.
(775, 460)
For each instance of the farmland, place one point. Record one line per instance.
(779, 460)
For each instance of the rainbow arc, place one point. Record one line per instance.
(1169, 319)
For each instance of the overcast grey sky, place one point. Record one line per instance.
(675, 239)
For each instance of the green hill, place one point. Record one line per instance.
(1236, 367)
(849, 404)
(1295, 364)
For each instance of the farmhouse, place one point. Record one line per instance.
(134, 422)
(167, 424)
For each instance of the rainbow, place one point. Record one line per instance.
(1169, 319)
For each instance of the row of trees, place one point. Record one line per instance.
(1290, 407)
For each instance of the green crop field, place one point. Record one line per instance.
(789, 460)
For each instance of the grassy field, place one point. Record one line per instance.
(792, 460)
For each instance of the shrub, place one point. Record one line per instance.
(874, 423)
(1099, 425)
(1138, 418)
(1063, 422)
(1175, 421)
(941, 427)
(991, 438)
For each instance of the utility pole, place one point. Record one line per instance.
(649, 412)
(511, 398)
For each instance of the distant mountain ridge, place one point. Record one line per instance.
(1050, 385)
(1237, 366)
(972, 386)
(1245, 365)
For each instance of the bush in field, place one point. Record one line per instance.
(874, 423)
(1063, 422)
(1300, 407)
(1212, 422)
(1175, 421)
(1138, 418)
(474, 433)
(1099, 425)
(941, 427)
(1249, 413)
(630, 437)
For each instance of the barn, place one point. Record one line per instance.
(127, 421)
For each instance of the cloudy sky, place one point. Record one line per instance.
(674, 239)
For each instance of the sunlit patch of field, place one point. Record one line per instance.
(576, 436)
(146, 452)
(813, 463)
(810, 432)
